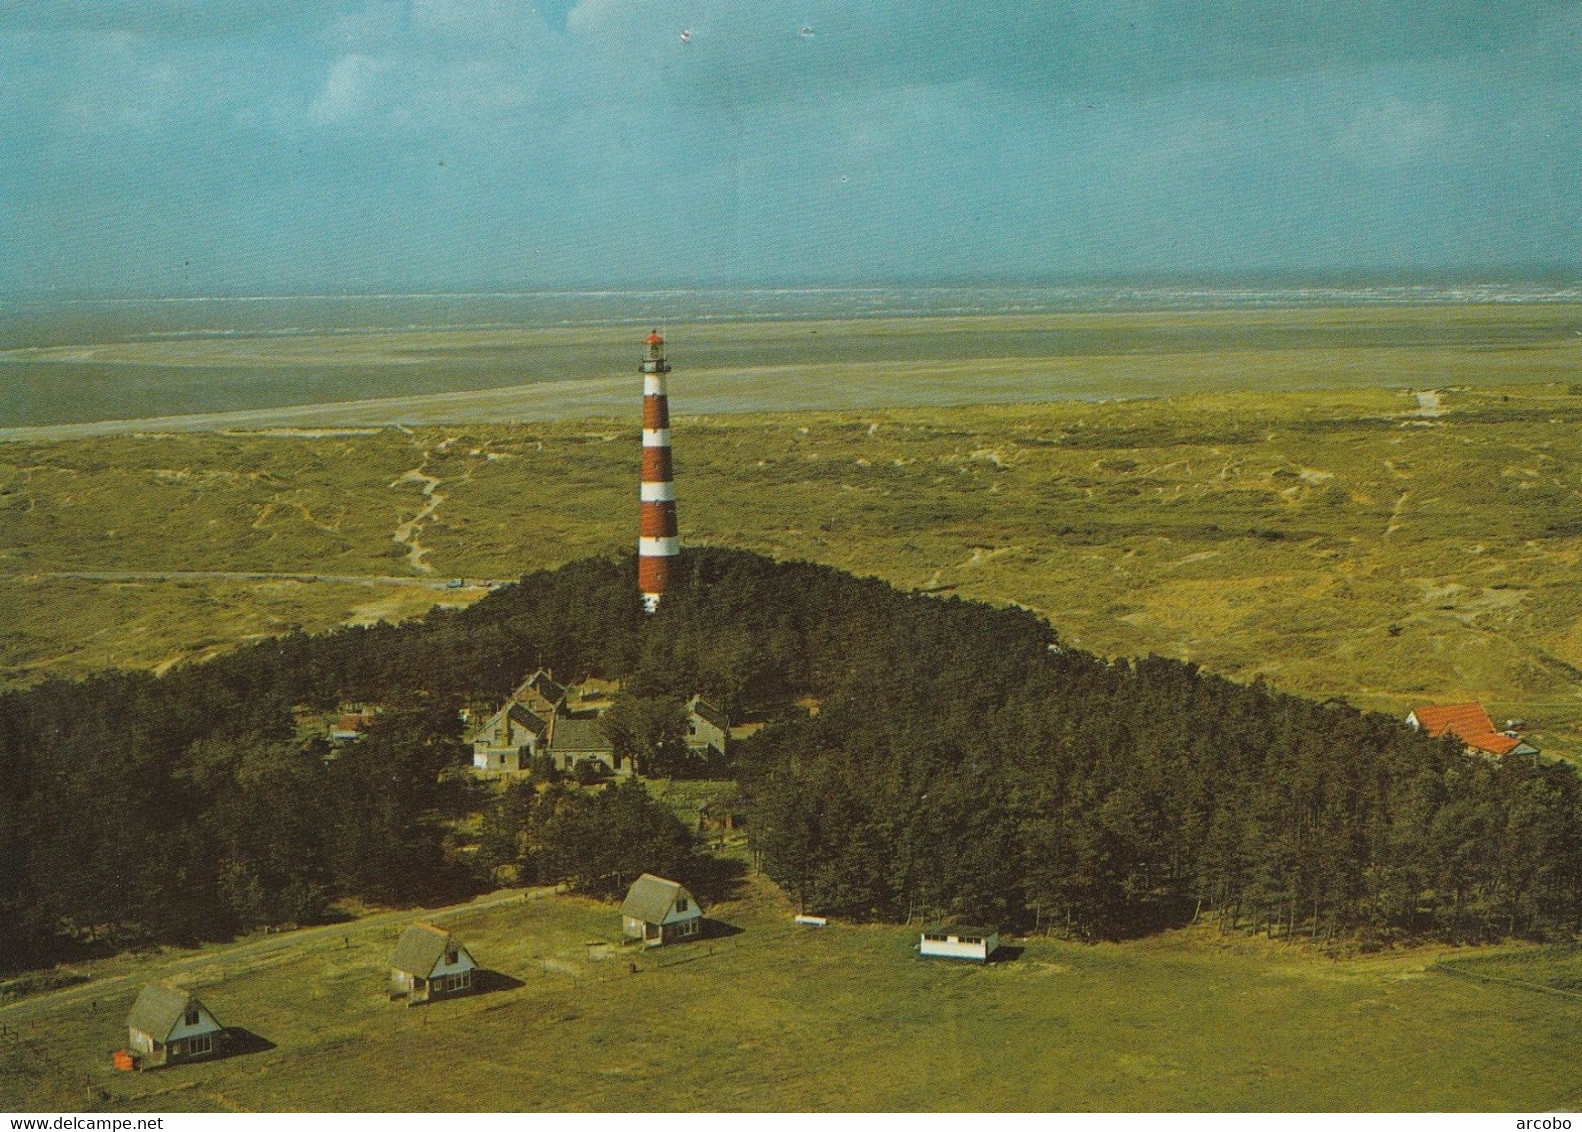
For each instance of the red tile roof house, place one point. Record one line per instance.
(1470, 723)
(350, 726)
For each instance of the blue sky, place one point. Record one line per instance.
(247, 147)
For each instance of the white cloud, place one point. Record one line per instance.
(348, 89)
(1396, 133)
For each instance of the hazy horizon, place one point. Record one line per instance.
(1558, 277)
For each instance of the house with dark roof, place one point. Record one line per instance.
(169, 1025)
(1470, 723)
(509, 739)
(658, 911)
(429, 963)
(541, 695)
(708, 729)
(573, 741)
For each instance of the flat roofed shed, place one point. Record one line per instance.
(960, 931)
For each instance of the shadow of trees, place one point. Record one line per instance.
(714, 879)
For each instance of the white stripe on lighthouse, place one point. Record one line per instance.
(658, 492)
(653, 385)
(656, 438)
(658, 547)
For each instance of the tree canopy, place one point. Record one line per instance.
(960, 761)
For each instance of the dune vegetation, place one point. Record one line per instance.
(1378, 546)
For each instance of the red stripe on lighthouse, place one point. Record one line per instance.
(656, 465)
(653, 576)
(659, 520)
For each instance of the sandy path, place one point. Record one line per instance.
(257, 576)
(406, 534)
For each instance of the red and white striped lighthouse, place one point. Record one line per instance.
(657, 543)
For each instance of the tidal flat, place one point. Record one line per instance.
(172, 382)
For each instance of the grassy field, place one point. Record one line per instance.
(842, 1018)
(1558, 968)
(1371, 544)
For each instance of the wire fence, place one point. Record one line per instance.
(1460, 972)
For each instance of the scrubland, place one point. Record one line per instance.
(1374, 545)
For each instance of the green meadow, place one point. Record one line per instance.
(783, 1018)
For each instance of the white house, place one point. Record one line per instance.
(958, 941)
(509, 739)
(659, 911)
(429, 962)
(708, 728)
(168, 1025)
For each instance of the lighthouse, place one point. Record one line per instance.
(657, 543)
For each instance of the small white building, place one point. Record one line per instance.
(659, 911)
(168, 1025)
(428, 963)
(958, 941)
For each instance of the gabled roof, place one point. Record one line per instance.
(1491, 742)
(422, 948)
(579, 735)
(159, 1008)
(708, 712)
(518, 714)
(1468, 722)
(651, 898)
(541, 684)
(1462, 720)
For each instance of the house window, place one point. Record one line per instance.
(202, 1044)
(971, 939)
(681, 904)
(935, 938)
(450, 958)
(192, 1016)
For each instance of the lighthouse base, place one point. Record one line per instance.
(650, 603)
